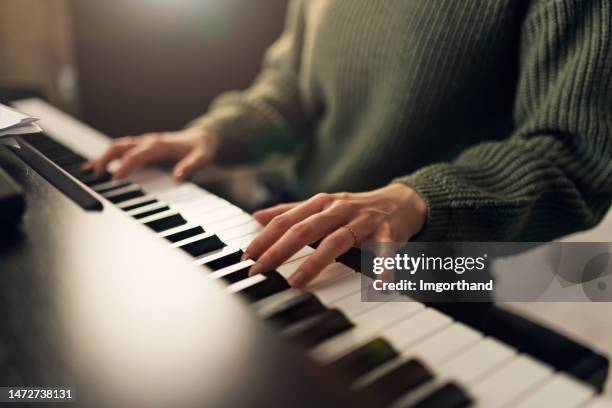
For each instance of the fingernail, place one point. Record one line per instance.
(245, 256)
(256, 268)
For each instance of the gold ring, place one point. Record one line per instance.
(349, 229)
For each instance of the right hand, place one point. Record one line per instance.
(191, 149)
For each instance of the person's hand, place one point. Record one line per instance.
(394, 213)
(191, 149)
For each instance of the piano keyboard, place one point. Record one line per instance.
(392, 353)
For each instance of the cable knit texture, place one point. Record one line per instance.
(499, 113)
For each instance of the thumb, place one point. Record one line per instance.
(185, 168)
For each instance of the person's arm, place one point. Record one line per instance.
(269, 115)
(553, 176)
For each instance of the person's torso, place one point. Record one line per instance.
(398, 84)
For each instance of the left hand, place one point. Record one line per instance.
(394, 213)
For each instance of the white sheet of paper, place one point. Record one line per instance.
(16, 123)
(21, 130)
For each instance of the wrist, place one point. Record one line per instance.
(411, 206)
(204, 135)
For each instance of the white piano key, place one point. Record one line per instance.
(324, 285)
(409, 332)
(330, 291)
(157, 216)
(197, 205)
(561, 391)
(330, 276)
(233, 268)
(221, 213)
(444, 344)
(189, 240)
(475, 362)
(108, 184)
(353, 306)
(180, 228)
(145, 208)
(180, 194)
(431, 347)
(387, 314)
(215, 207)
(137, 200)
(287, 269)
(155, 181)
(509, 382)
(600, 402)
(231, 222)
(245, 283)
(301, 253)
(368, 326)
(121, 190)
(240, 231)
(218, 254)
(242, 242)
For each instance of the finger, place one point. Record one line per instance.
(133, 160)
(336, 244)
(115, 151)
(297, 237)
(195, 160)
(281, 223)
(264, 216)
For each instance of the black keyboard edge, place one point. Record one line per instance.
(56, 176)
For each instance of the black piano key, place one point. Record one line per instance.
(447, 396)
(162, 224)
(237, 276)
(203, 246)
(46, 145)
(141, 204)
(77, 171)
(93, 179)
(274, 283)
(546, 345)
(57, 151)
(397, 382)
(114, 186)
(363, 359)
(128, 195)
(69, 159)
(295, 309)
(151, 212)
(312, 331)
(225, 261)
(181, 235)
(36, 139)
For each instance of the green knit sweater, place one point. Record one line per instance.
(498, 112)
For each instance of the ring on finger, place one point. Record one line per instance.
(353, 233)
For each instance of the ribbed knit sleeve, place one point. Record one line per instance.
(553, 176)
(268, 115)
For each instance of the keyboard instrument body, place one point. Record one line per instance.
(94, 301)
(99, 301)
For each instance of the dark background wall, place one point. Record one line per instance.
(155, 64)
(130, 66)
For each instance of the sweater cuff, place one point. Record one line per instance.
(429, 184)
(226, 122)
